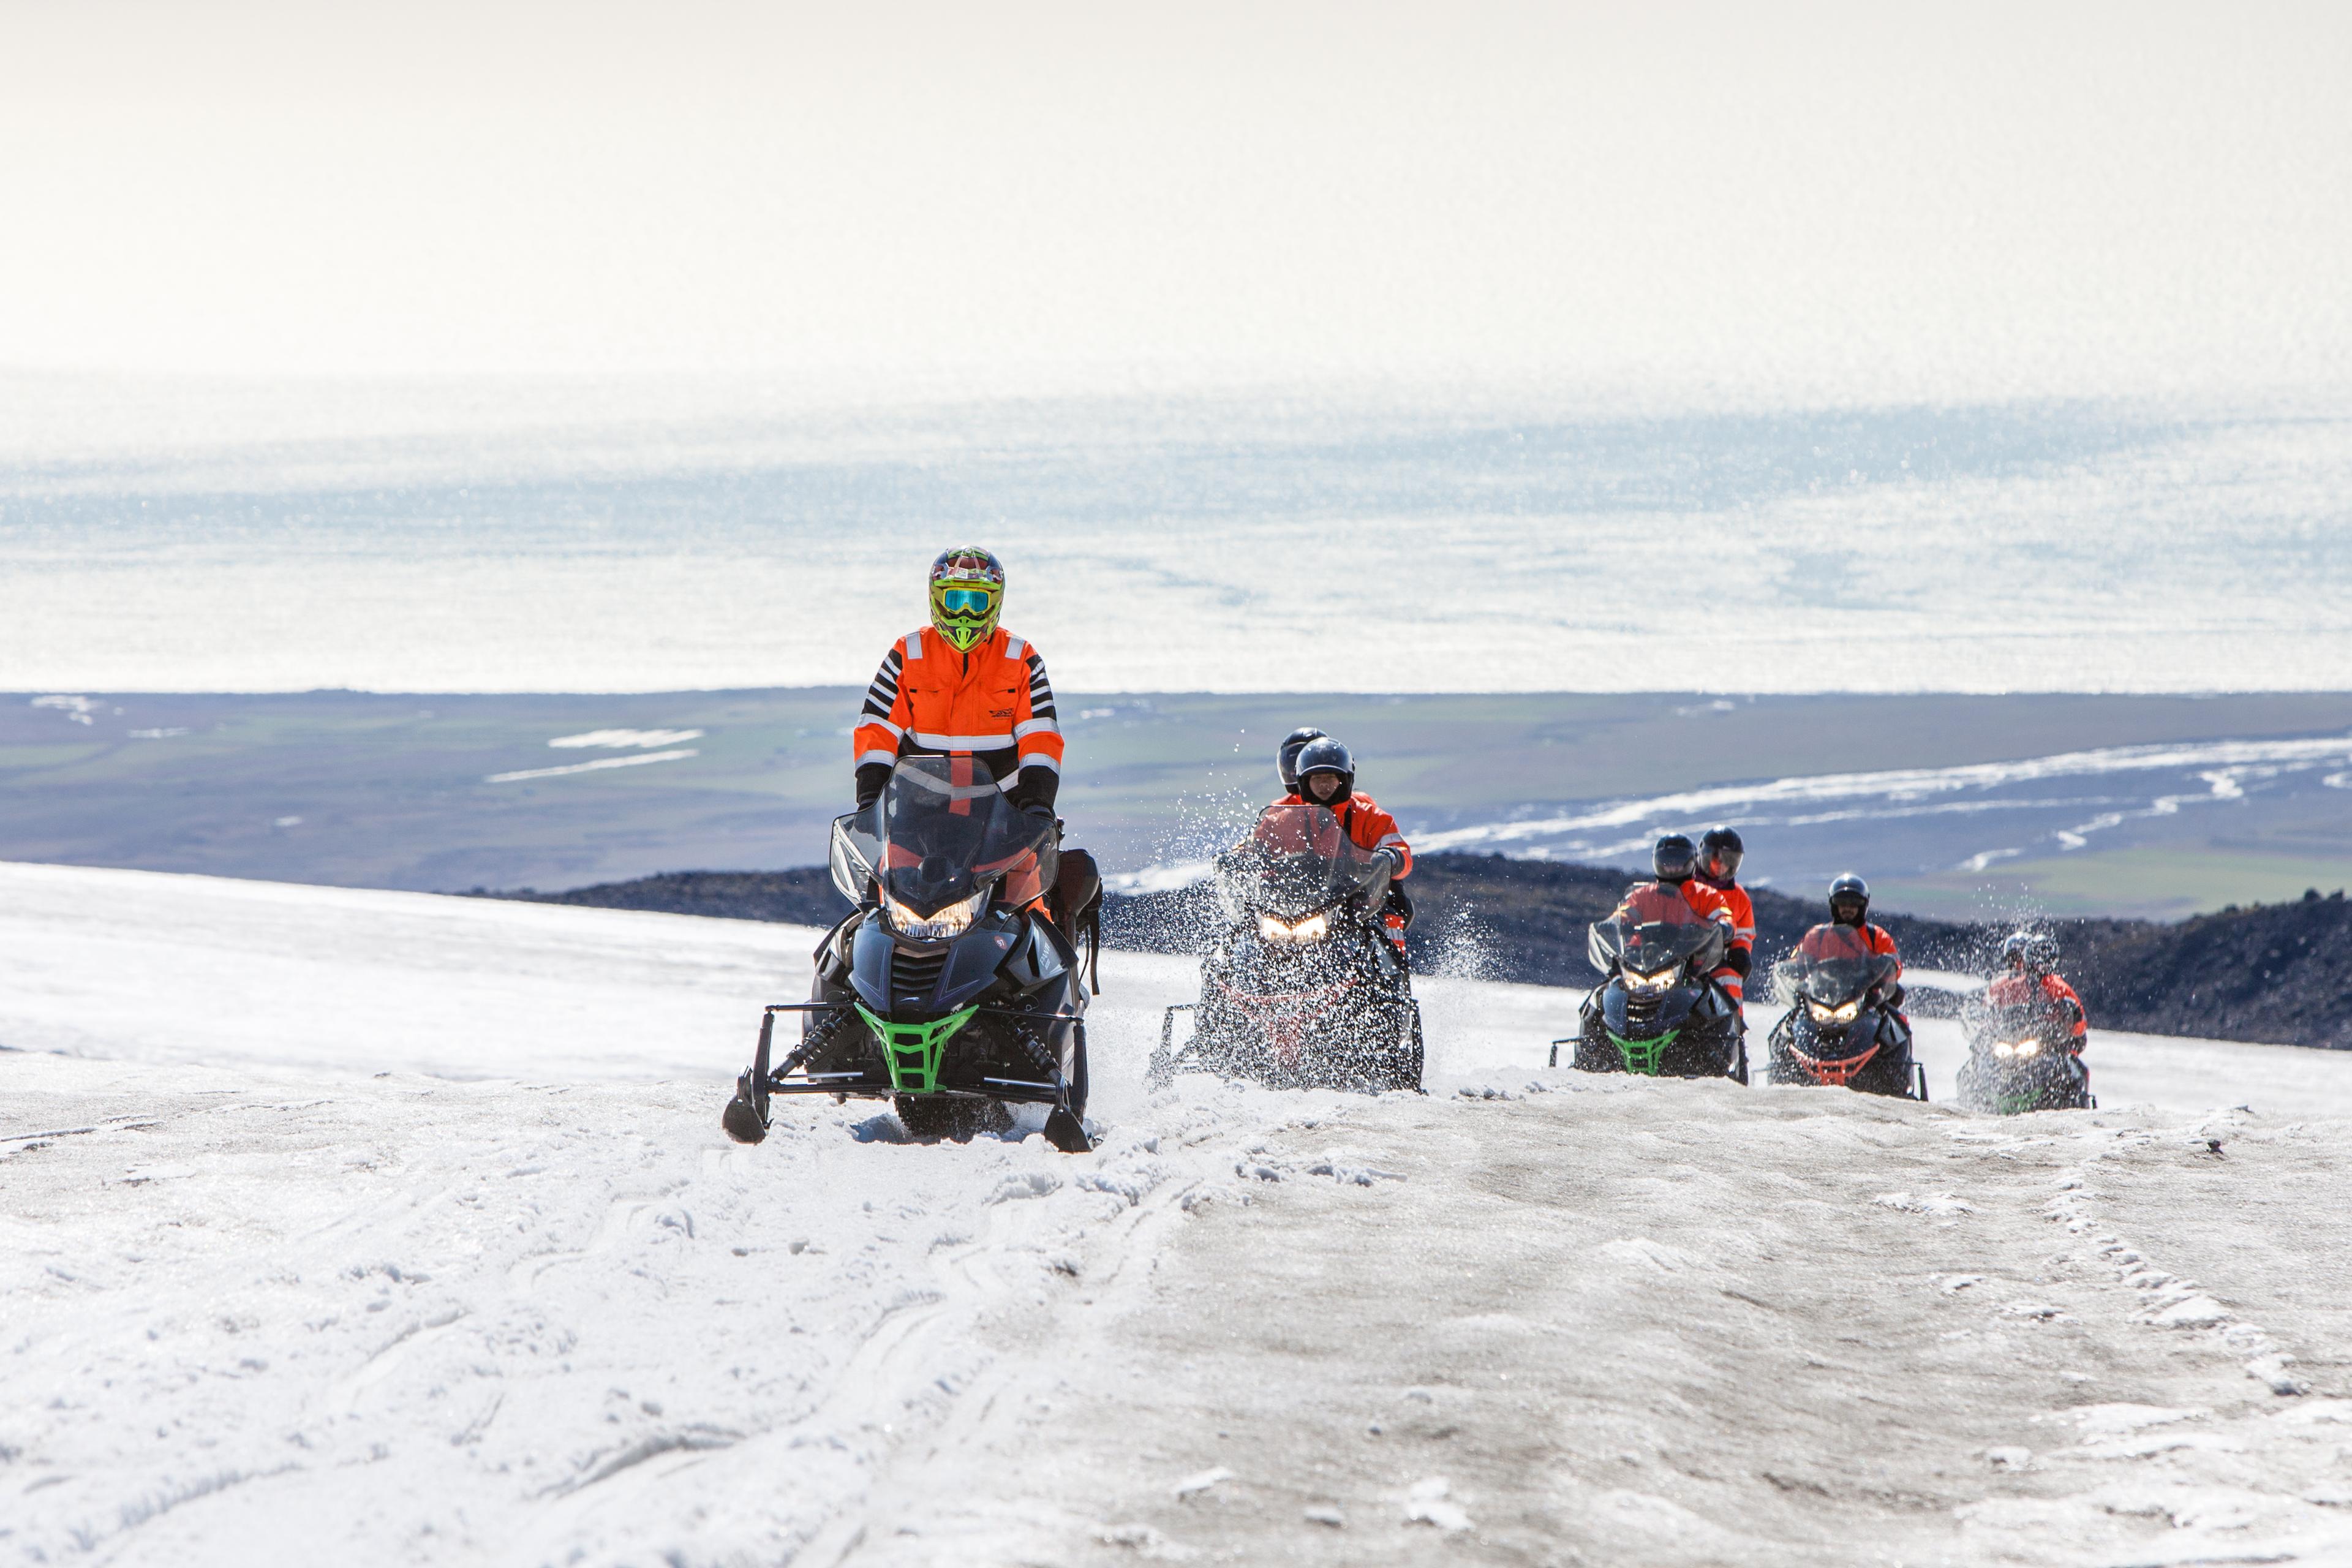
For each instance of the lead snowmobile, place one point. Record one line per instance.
(1303, 988)
(1840, 1029)
(1657, 1013)
(948, 991)
(2019, 1059)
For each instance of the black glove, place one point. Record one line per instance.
(872, 777)
(1036, 786)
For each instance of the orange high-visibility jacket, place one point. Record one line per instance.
(1640, 901)
(1832, 940)
(993, 704)
(1743, 912)
(2010, 990)
(1368, 825)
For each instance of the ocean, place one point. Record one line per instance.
(511, 537)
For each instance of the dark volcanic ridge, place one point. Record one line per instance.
(2280, 973)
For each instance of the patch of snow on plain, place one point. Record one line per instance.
(617, 738)
(596, 766)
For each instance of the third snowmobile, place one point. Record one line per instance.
(1304, 986)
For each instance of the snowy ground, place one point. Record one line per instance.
(390, 1228)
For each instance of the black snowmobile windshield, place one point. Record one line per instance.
(940, 833)
(1298, 859)
(1653, 931)
(1833, 965)
(947, 832)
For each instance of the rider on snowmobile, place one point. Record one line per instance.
(1326, 776)
(2033, 960)
(963, 687)
(1719, 854)
(1673, 859)
(1850, 906)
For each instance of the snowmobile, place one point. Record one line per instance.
(2019, 1059)
(1303, 988)
(1658, 1014)
(948, 991)
(1840, 1029)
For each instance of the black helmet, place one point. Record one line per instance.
(1326, 755)
(1721, 843)
(1852, 890)
(1673, 858)
(2030, 951)
(1285, 760)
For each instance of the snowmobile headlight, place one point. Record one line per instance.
(953, 921)
(2025, 1047)
(1844, 1013)
(1653, 984)
(1314, 928)
(2003, 1049)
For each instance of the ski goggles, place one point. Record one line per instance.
(967, 601)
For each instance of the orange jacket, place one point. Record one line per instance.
(993, 704)
(1652, 901)
(2012, 990)
(1368, 825)
(1832, 940)
(1743, 912)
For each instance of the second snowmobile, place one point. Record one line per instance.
(1303, 988)
(949, 989)
(1840, 1028)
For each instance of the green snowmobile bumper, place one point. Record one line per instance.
(913, 1050)
(1643, 1056)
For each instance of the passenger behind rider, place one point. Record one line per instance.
(1850, 906)
(1322, 771)
(1673, 860)
(1719, 854)
(2032, 975)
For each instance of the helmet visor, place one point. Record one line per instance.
(1722, 862)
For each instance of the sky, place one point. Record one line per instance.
(1830, 202)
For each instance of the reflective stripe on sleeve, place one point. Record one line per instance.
(1040, 759)
(1014, 645)
(1033, 726)
(914, 645)
(887, 759)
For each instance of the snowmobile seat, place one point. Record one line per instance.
(1076, 903)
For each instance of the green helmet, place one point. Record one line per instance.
(966, 595)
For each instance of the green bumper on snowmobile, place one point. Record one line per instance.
(913, 1050)
(1643, 1056)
